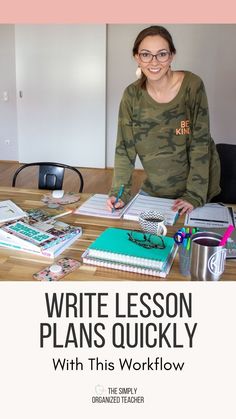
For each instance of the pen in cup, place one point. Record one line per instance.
(120, 193)
(183, 239)
(226, 235)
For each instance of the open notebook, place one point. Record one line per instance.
(10, 211)
(215, 217)
(142, 203)
(96, 206)
(210, 215)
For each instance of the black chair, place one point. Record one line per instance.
(51, 175)
(227, 154)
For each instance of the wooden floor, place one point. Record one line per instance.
(95, 180)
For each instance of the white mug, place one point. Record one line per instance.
(153, 222)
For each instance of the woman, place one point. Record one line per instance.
(163, 118)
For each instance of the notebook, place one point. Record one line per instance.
(142, 203)
(113, 245)
(131, 268)
(215, 217)
(10, 211)
(96, 206)
(210, 215)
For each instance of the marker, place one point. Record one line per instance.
(188, 240)
(120, 193)
(185, 243)
(226, 235)
(62, 214)
(59, 215)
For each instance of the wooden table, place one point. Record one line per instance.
(16, 265)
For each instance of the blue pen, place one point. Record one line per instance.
(120, 193)
(185, 238)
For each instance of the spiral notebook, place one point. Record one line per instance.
(113, 246)
(131, 268)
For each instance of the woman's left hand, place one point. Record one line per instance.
(184, 207)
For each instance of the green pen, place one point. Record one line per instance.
(119, 195)
(188, 240)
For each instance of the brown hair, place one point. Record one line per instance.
(152, 31)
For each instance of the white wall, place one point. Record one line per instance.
(61, 74)
(207, 50)
(8, 125)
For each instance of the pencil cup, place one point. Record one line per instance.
(207, 257)
(153, 222)
(184, 260)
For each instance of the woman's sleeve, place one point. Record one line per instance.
(125, 153)
(199, 148)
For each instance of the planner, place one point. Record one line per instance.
(96, 206)
(210, 215)
(114, 246)
(142, 203)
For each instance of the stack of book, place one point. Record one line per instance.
(113, 249)
(38, 232)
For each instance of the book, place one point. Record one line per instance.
(52, 252)
(231, 246)
(96, 206)
(39, 233)
(113, 246)
(10, 211)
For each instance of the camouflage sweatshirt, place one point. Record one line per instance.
(173, 142)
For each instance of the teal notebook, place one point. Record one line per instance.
(114, 245)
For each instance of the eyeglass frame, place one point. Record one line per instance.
(155, 55)
(146, 242)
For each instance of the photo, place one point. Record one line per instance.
(117, 201)
(117, 152)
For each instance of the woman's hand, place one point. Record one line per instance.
(111, 201)
(184, 207)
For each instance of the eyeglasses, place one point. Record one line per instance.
(147, 57)
(147, 241)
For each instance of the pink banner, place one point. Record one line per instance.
(122, 11)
